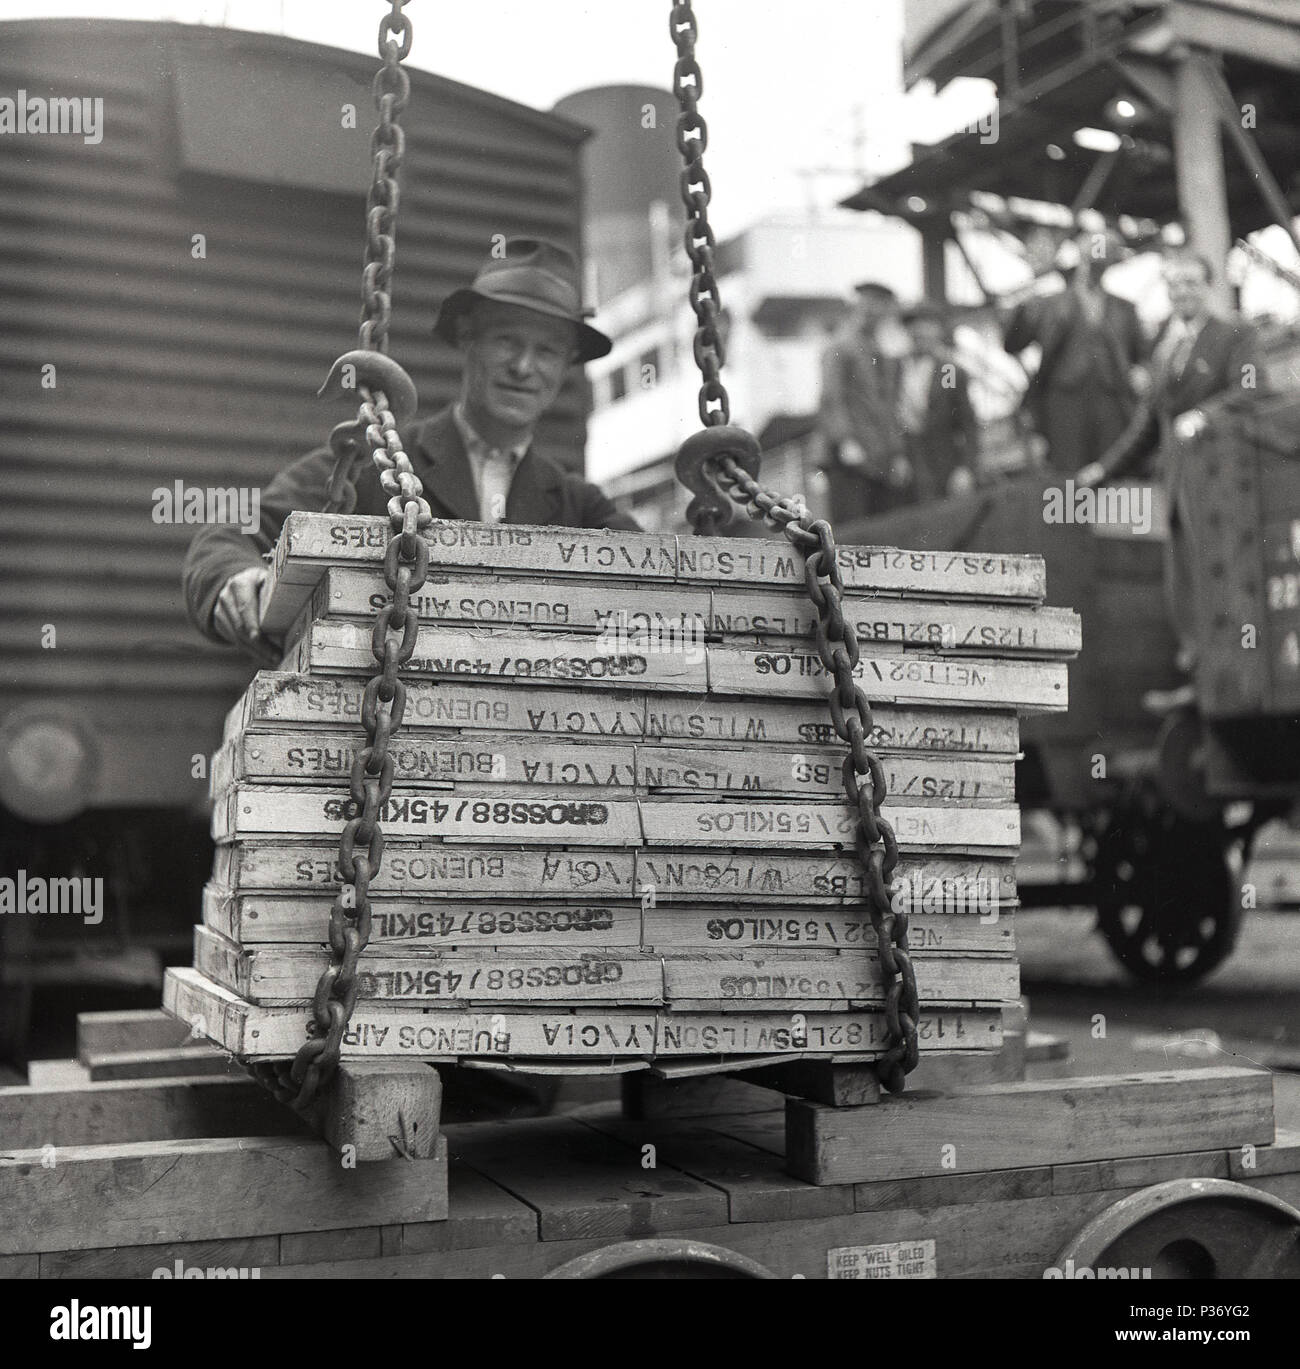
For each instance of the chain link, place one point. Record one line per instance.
(863, 774)
(406, 566)
(713, 467)
(696, 191)
(391, 90)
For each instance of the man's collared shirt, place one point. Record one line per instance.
(493, 469)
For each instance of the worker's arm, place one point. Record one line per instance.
(598, 510)
(1137, 440)
(219, 553)
(1023, 327)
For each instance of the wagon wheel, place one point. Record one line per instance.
(1188, 1229)
(1165, 893)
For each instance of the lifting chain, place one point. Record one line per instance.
(406, 564)
(720, 465)
(692, 139)
(391, 89)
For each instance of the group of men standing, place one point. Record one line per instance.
(896, 417)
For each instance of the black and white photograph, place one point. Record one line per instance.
(649, 641)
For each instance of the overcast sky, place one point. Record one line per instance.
(786, 84)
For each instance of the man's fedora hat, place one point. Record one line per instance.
(533, 274)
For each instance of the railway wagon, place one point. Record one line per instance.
(1169, 786)
(174, 279)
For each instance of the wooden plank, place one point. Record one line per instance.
(985, 629)
(257, 918)
(572, 605)
(1138, 1171)
(284, 975)
(983, 885)
(512, 764)
(1044, 1122)
(1247, 1162)
(254, 1032)
(480, 1213)
(1028, 685)
(772, 824)
(198, 1058)
(838, 976)
(127, 1110)
(921, 728)
(444, 762)
(103, 1033)
(278, 697)
(588, 605)
(987, 885)
(552, 817)
(819, 771)
(274, 699)
(240, 1257)
(668, 926)
(583, 1184)
(756, 1186)
(486, 653)
(57, 1074)
(309, 543)
(947, 1190)
(417, 868)
(971, 1240)
(288, 975)
(767, 562)
(159, 1191)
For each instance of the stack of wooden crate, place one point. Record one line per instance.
(618, 833)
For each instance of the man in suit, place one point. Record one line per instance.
(1090, 341)
(1197, 357)
(940, 430)
(864, 460)
(520, 326)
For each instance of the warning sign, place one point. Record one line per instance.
(897, 1260)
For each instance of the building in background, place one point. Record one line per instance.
(785, 283)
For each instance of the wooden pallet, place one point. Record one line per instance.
(128, 1177)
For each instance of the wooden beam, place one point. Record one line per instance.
(1004, 1126)
(85, 1197)
(128, 1110)
(376, 1109)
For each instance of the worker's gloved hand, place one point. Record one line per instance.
(900, 473)
(1091, 474)
(236, 615)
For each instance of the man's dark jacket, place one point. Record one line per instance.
(1215, 366)
(542, 492)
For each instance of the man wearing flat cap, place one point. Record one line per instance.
(519, 326)
(864, 461)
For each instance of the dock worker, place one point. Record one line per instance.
(1091, 349)
(519, 327)
(1198, 356)
(864, 456)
